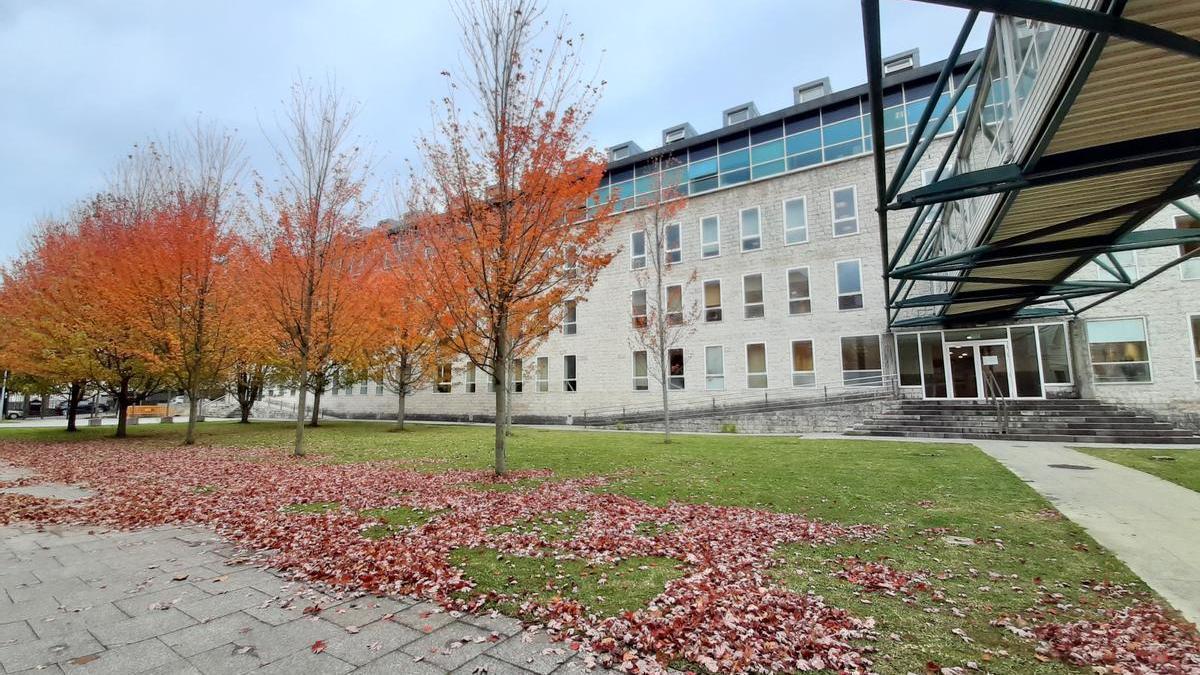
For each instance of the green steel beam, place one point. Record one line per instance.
(1178, 261)
(991, 294)
(873, 49)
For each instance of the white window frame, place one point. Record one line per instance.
(634, 316)
(1131, 270)
(709, 377)
(742, 230)
(542, 383)
(766, 365)
(644, 379)
(720, 300)
(792, 356)
(517, 376)
(1183, 266)
(378, 389)
(703, 254)
(682, 376)
(637, 262)
(575, 380)
(448, 383)
(842, 359)
(804, 201)
(787, 277)
(838, 285)
(469, 380)
(1195, 348)
(676, 252)
(761, 304)
(833, 211)
(1149, 353)
(674, 318)
(570, 307)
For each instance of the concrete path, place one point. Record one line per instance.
(1151, 524)
(165, 600)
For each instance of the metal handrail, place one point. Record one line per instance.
(991, 388)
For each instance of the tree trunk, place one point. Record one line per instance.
(122, 406)
(74, 396)
(45, 404)
(508, 406)
(316, 413)
(666, 386)
(400, 410)
(299, 449)
(193, 407)
(499, 373)
(245, 407)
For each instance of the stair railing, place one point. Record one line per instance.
(991, 388)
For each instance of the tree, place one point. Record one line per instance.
(312, 251)
(668, 319)
(504, 196)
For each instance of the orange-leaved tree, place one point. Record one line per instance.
(502, 222)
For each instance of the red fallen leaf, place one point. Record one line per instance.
(427, 628)
(933, 666)
(312, 610)
(83, 660)
(318, 646)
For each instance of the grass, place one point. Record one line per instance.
(311, 507)
(908, 487)
(1182, 469)
(549, 527)
(395, 519)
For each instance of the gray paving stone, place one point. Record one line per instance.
(399, 662)
(238, 627)
(26, 655)
(371, 642)
(279, 641)
(58, 589)
(40, 606)
(423, 616)
(140, 628)
(486, 664)
(63, 622)
(211, 607)
(146, 603)
(228, 659)
(180, 667)
(133, 658)
(86, 570)
(451, 646)
(362, 611)
(494, 621)
(308, 663)
(539, 653)
(15, 631)
(51, 669)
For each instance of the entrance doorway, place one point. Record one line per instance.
(974, 364)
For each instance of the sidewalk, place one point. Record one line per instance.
(1151, 524)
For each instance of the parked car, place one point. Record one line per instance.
(17, 410)
(84, 407)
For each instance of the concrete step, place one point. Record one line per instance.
(872, 425)
(1065, 422)
(1056, 438)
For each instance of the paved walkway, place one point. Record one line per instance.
(1151, 524)
(166, 600)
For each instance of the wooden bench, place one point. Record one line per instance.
(136, 411)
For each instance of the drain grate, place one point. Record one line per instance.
(1073, 467)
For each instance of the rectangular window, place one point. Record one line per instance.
(908, 354)
(862, 364)
(1189, 269)
(543, 374)
(1194, 320)
(714, 368)
(1119, 350)
(639, 308)
(752, 296)
(445, 378)
(637, 250)
(849, 285)
(712, 300)
(673, 243)
(1056, 359)
(756, 366)
(518, 376)
(710, 237)
(641, 372)
(674, 305)
(1128, 262)
(845, 211)
(491, 380)
(569, 381)
(469, 379)
(803, 368)
(799, 301)
(362, 389)
(675, 368)
(570, 327)
(349, 389)
(795, 221)
(751, 230)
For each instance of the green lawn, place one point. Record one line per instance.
(1183, 469)
(1022, 547)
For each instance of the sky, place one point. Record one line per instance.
(82, 82)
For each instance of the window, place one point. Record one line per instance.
(518, 376)
(570, 327)
(637, 250)
(543, 374)
(1194, 320)
(569, 382)
(1189, 269)
(756, 366)
(736, 116)
(861, 361)
(491, 383)
(752, 296)
(469, 379)
(674, 305)
(714, 368)
(712, 300)
(673, 243)
(379, 389)
(908, 354)
(675, 135)
(795, 221)
(641, 372)
(349, 389)
(639, 308)
(751, 230)
(675, 368)
(849, 285)
(798, 298)
(362, 388)
(845, 211)
(710, 237)
(803, 371)
(1119, 350)
(445, 377)
(1056, 359)
(1128, 262)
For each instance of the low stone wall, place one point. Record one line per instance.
(830, 419)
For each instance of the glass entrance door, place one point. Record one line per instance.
(978, 366)
(964, 375)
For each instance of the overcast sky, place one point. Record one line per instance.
(80, 82)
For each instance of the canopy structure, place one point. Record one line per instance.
(1081, 126)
